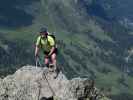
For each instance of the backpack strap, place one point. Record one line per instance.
(41, 45)
(48, 41)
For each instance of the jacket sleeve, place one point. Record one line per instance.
(51, 41)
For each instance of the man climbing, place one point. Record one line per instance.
(47, 44)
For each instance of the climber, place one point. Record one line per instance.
(47, 44)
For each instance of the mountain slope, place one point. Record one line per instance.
(121, 10)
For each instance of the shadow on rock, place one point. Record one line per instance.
(44, 98)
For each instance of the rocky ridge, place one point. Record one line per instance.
(31, 83)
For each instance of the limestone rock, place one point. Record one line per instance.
(31, 83)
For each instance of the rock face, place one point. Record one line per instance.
(31, 83)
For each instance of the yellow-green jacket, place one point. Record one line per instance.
(45, 43)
